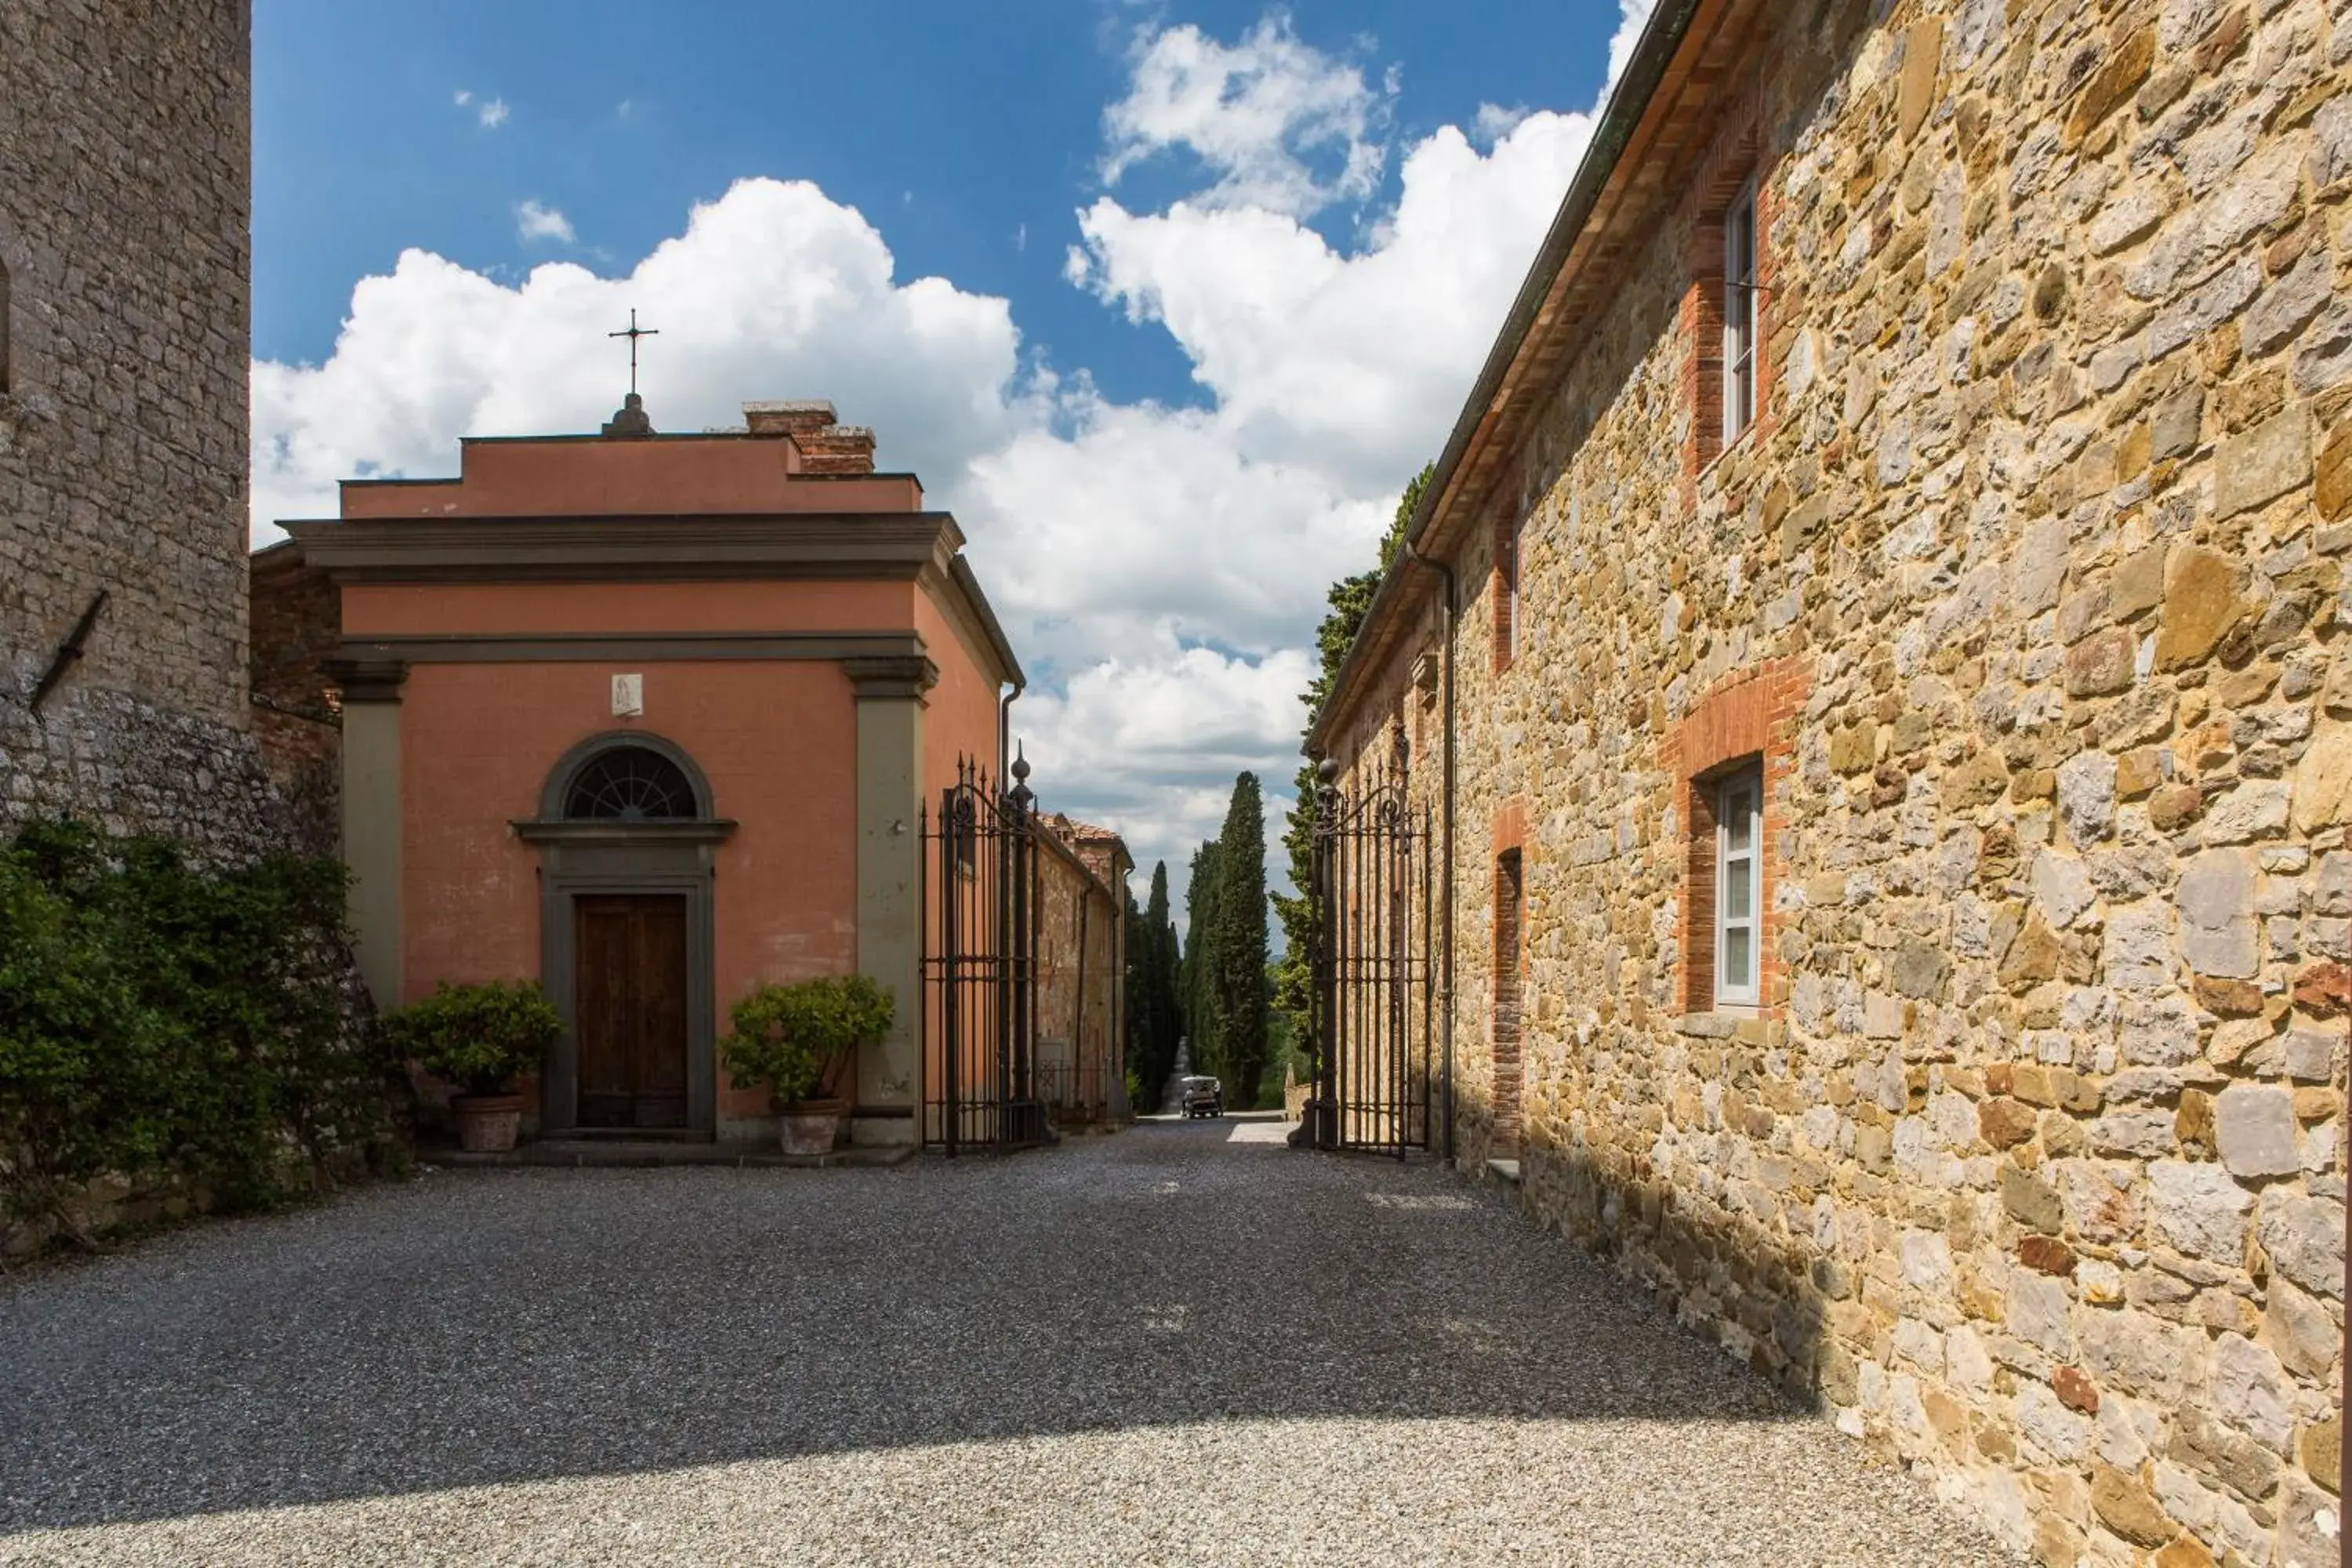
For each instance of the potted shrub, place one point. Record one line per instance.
(797, 1040)
(480, 1038)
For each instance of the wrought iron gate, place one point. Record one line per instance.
(1372, 1019)
(980, 965)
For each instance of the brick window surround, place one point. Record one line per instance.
(1734, 166)
(1506, 587)
(1508, 1004)
(1509, 991)
(1750, 719)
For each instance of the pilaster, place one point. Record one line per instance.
(371, 818)
(889, 884)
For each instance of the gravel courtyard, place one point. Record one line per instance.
(1181, 1344)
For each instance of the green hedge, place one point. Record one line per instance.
(164, 1021)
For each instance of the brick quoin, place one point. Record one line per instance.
(1752, 714)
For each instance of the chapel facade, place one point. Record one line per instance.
(1878, 634)
(650, 719)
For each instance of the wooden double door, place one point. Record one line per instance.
(630, 1009)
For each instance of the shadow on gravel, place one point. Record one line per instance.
(505, 1325)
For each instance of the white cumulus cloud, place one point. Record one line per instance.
(1350, 361)
(534, 221)
(1161, 569)
(1493, 122)
(494, 114)
(1260, 114)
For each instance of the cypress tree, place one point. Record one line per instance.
(1236, 960)
(1137, 991)
(1163, 1016)
(1154, 1010)
(1201, 1018)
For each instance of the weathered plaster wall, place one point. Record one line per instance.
(2031, 1166)
(123, 234)
(960, 715)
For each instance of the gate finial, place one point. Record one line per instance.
(1021, 795)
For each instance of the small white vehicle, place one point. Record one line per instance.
(1203, 1097)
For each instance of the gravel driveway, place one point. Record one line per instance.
(1182, 1344)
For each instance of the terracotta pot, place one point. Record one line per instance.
(486, 1123)
(810, 1126)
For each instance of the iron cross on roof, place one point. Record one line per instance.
(633, 334)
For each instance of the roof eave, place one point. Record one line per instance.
(1629, 101)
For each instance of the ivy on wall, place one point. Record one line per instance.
(163, 1021)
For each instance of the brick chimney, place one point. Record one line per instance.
(836, 449)
(771, 419)
(825, 447)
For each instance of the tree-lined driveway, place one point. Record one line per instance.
(1185, 1343)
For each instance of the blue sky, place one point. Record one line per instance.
(1296, 231)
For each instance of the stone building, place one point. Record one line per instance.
(125, 249)
(1880, 637)
(1082, 971)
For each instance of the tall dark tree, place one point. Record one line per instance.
(1167, 1011)
(1155, 1017)
(1351, 600)
(1234, 962)
(1137, 988)
(1201, 1023)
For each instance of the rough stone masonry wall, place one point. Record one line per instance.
(1076, 982)
(125, 132)
(2032, 1164)
(297, 722)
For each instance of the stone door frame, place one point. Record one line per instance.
(587, 859)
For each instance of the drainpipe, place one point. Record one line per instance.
(1445, 972)
(1004, 733)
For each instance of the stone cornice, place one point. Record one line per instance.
(648, 647)
(851, 545)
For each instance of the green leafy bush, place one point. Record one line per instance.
(480, 1036)
(165, 1021)
(793, 1038)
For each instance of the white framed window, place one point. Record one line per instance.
(1738, 885)
(1739, 315)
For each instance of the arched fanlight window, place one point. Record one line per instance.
(630, 784)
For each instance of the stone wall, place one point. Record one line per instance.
(298, 720)
(2031, 1165)
(124, 242)
(1080, 1056)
